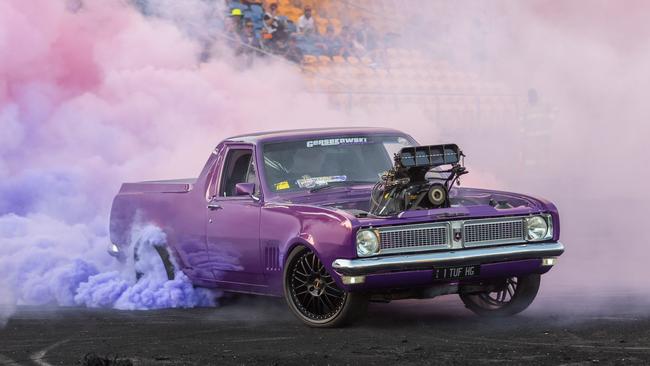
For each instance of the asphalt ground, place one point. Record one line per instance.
(570, 329)
(590, 310)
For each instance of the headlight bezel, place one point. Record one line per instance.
(375, 245)
(547, 219)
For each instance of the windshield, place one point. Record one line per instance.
(343, 160)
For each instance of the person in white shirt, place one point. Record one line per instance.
(306, 24)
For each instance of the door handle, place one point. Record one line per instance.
(214, 206)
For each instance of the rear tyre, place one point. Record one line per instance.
(160, 257)
(313, 295)
(512, 296)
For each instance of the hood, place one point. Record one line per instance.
(354, 202)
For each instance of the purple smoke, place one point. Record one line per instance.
(152, 291)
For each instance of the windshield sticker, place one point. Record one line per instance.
(282, 185)
(320, 181)
(338, 141)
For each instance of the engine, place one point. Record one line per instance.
(420, 179)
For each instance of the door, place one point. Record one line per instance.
(233, 228)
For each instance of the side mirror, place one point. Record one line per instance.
(245, 189)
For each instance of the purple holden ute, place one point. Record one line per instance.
(334, 218)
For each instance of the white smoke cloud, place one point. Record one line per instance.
(588, 62)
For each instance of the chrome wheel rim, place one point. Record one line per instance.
(313, 290)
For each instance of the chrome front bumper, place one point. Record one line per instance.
(409, 262)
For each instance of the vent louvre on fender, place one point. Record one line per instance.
(272, 258)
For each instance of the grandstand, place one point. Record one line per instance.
(390, 76)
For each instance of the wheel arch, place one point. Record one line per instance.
(299, 241)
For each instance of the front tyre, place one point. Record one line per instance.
(511, 296)
(313, 295)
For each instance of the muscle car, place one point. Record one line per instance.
(331, 219)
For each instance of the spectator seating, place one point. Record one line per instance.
(390, 78)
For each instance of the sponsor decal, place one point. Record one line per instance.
(338, 141)
(282, 185)
(320, 181)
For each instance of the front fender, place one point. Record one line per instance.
(326, 232)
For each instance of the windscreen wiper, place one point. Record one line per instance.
(336, 184)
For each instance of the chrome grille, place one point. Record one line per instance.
(442, 235)
(493, 232)
(414, 237)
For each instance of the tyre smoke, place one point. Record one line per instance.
(90, 98)
(96, 93)
(93, 94)
(119, 289)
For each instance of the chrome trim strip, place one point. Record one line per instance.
(409, 262)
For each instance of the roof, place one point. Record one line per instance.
(287, 135)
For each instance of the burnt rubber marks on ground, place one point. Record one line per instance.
(92, 359)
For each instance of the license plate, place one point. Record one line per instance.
(453, 273)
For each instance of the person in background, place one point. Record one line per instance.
(268, 32)
(233, 27)
(270, 24)
(349, 44)
(330, 43)
(292, 52)
(273, 11)
(234, 22)
(280, 39)
(250, 42)
(306, 23)
(366, 35)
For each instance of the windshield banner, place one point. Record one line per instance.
(338, 141)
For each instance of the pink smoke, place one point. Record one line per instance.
(101, 95)
(87, 100)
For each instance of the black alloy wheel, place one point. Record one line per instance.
(314, 296)
(511, 296)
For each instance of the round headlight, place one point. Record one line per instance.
(367, 243)
(536, 228)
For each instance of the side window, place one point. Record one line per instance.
(238, 168)
(213, 173)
